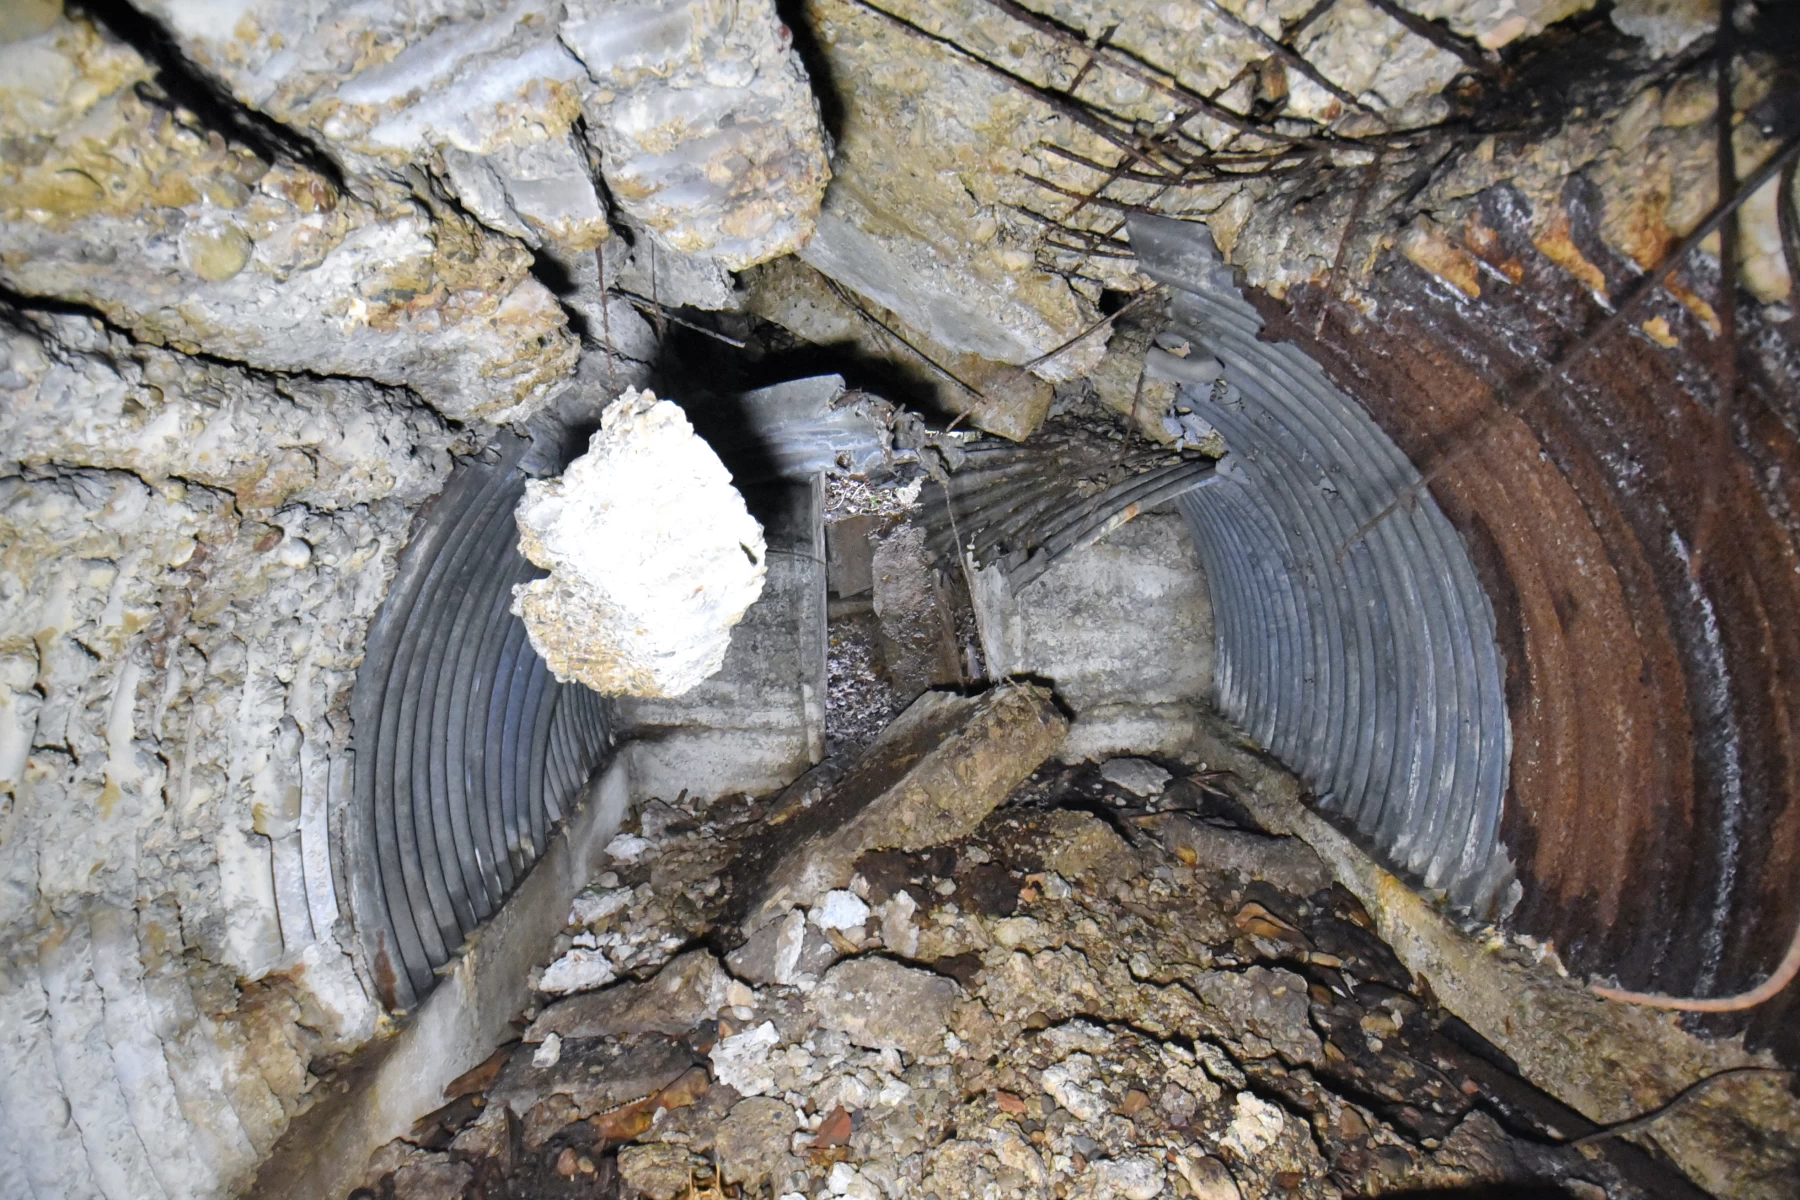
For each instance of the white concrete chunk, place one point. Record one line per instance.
(652, 556)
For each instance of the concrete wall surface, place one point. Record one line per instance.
(1122, 628)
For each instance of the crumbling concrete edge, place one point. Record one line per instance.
(326, 1150)
(1610, 1062)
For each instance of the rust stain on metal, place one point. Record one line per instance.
(1654, 808)
(387, 984)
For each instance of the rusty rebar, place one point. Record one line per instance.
(1127, 64)
(1286, 55)
(1082, 114)
(1438, 35)
(1712, 479)
(1371, 173)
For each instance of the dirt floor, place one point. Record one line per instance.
(1117, 987)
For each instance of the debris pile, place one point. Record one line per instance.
(1097, 980)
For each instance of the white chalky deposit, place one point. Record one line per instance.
(651, 552)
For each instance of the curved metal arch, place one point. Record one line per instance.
(1373, 669)
(468, 751)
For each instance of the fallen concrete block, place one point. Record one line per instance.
(931, 777)
(589, 1077)
(688, 990)
(1287, 862)
(653, 557)
(885, 1006)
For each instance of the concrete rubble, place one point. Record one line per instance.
(931, 776)
(652, 556)
(701, 116)
(269, 268)
(1038, 1002)
(123, 200)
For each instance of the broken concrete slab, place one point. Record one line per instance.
(1287, 862)
(706, 123)
(914, 612)
(932, 777)
(594, 1074)
(801, 428)
(690, 988)
(127, 203)
(1139, 776)
(788, 951)
(989, 394)
(885, 1006)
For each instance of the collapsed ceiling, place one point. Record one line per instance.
(297, 298)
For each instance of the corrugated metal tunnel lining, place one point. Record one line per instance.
(1653, 814)
(468, 751)
(1372, 670)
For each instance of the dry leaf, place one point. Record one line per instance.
(623, 1124)
(479, 1079)
(683, 1092)
(834, 1130)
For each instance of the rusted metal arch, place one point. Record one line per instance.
(1654, 809)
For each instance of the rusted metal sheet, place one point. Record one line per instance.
(1654, 808)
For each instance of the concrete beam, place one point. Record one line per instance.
(1610, 1062)
(378, 1098)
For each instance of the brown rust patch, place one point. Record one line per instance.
(1654, 803)
(1485, 242)
(1427, 247)
(1554, 242)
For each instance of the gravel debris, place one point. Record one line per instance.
(1063, 1005)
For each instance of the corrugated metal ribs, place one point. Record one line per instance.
(1026, 506)
(1372, 668)
(467, 750)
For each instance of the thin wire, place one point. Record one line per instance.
(851, 302)
(1538, 381)
(1088, 332)
(612, 363)
(1681, 1099)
